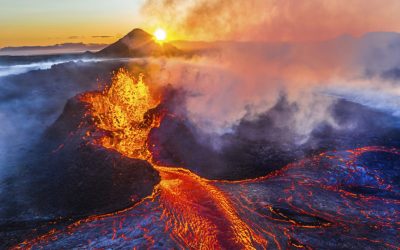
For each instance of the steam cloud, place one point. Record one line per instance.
(244, 80)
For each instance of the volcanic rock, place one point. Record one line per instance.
(76, 177)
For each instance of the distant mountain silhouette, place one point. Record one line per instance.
(51, 49)
(138, 43)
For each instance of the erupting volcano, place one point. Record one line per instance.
(332, 194)
(247, 124)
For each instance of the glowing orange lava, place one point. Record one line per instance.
(121, 111)
(182, 196)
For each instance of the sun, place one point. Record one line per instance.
(160, 35)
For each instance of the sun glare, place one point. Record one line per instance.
(160, 35)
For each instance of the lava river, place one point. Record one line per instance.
(332, 200)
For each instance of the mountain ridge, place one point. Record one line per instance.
(138, 43)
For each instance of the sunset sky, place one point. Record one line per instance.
(45, 22)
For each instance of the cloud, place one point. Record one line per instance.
(270, 20)
(75, 37)
(102, 36)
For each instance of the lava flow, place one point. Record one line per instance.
(332, 199)
(122, 111)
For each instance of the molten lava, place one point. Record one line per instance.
(120, 111)
(295, 207)
(184, 196)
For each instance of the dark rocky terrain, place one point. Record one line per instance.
(67, 177)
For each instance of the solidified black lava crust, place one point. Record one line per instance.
(67, 177)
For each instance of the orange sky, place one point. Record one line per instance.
(44, 22)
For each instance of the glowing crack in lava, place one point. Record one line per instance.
(330, 200)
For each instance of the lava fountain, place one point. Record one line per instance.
(123, 113)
